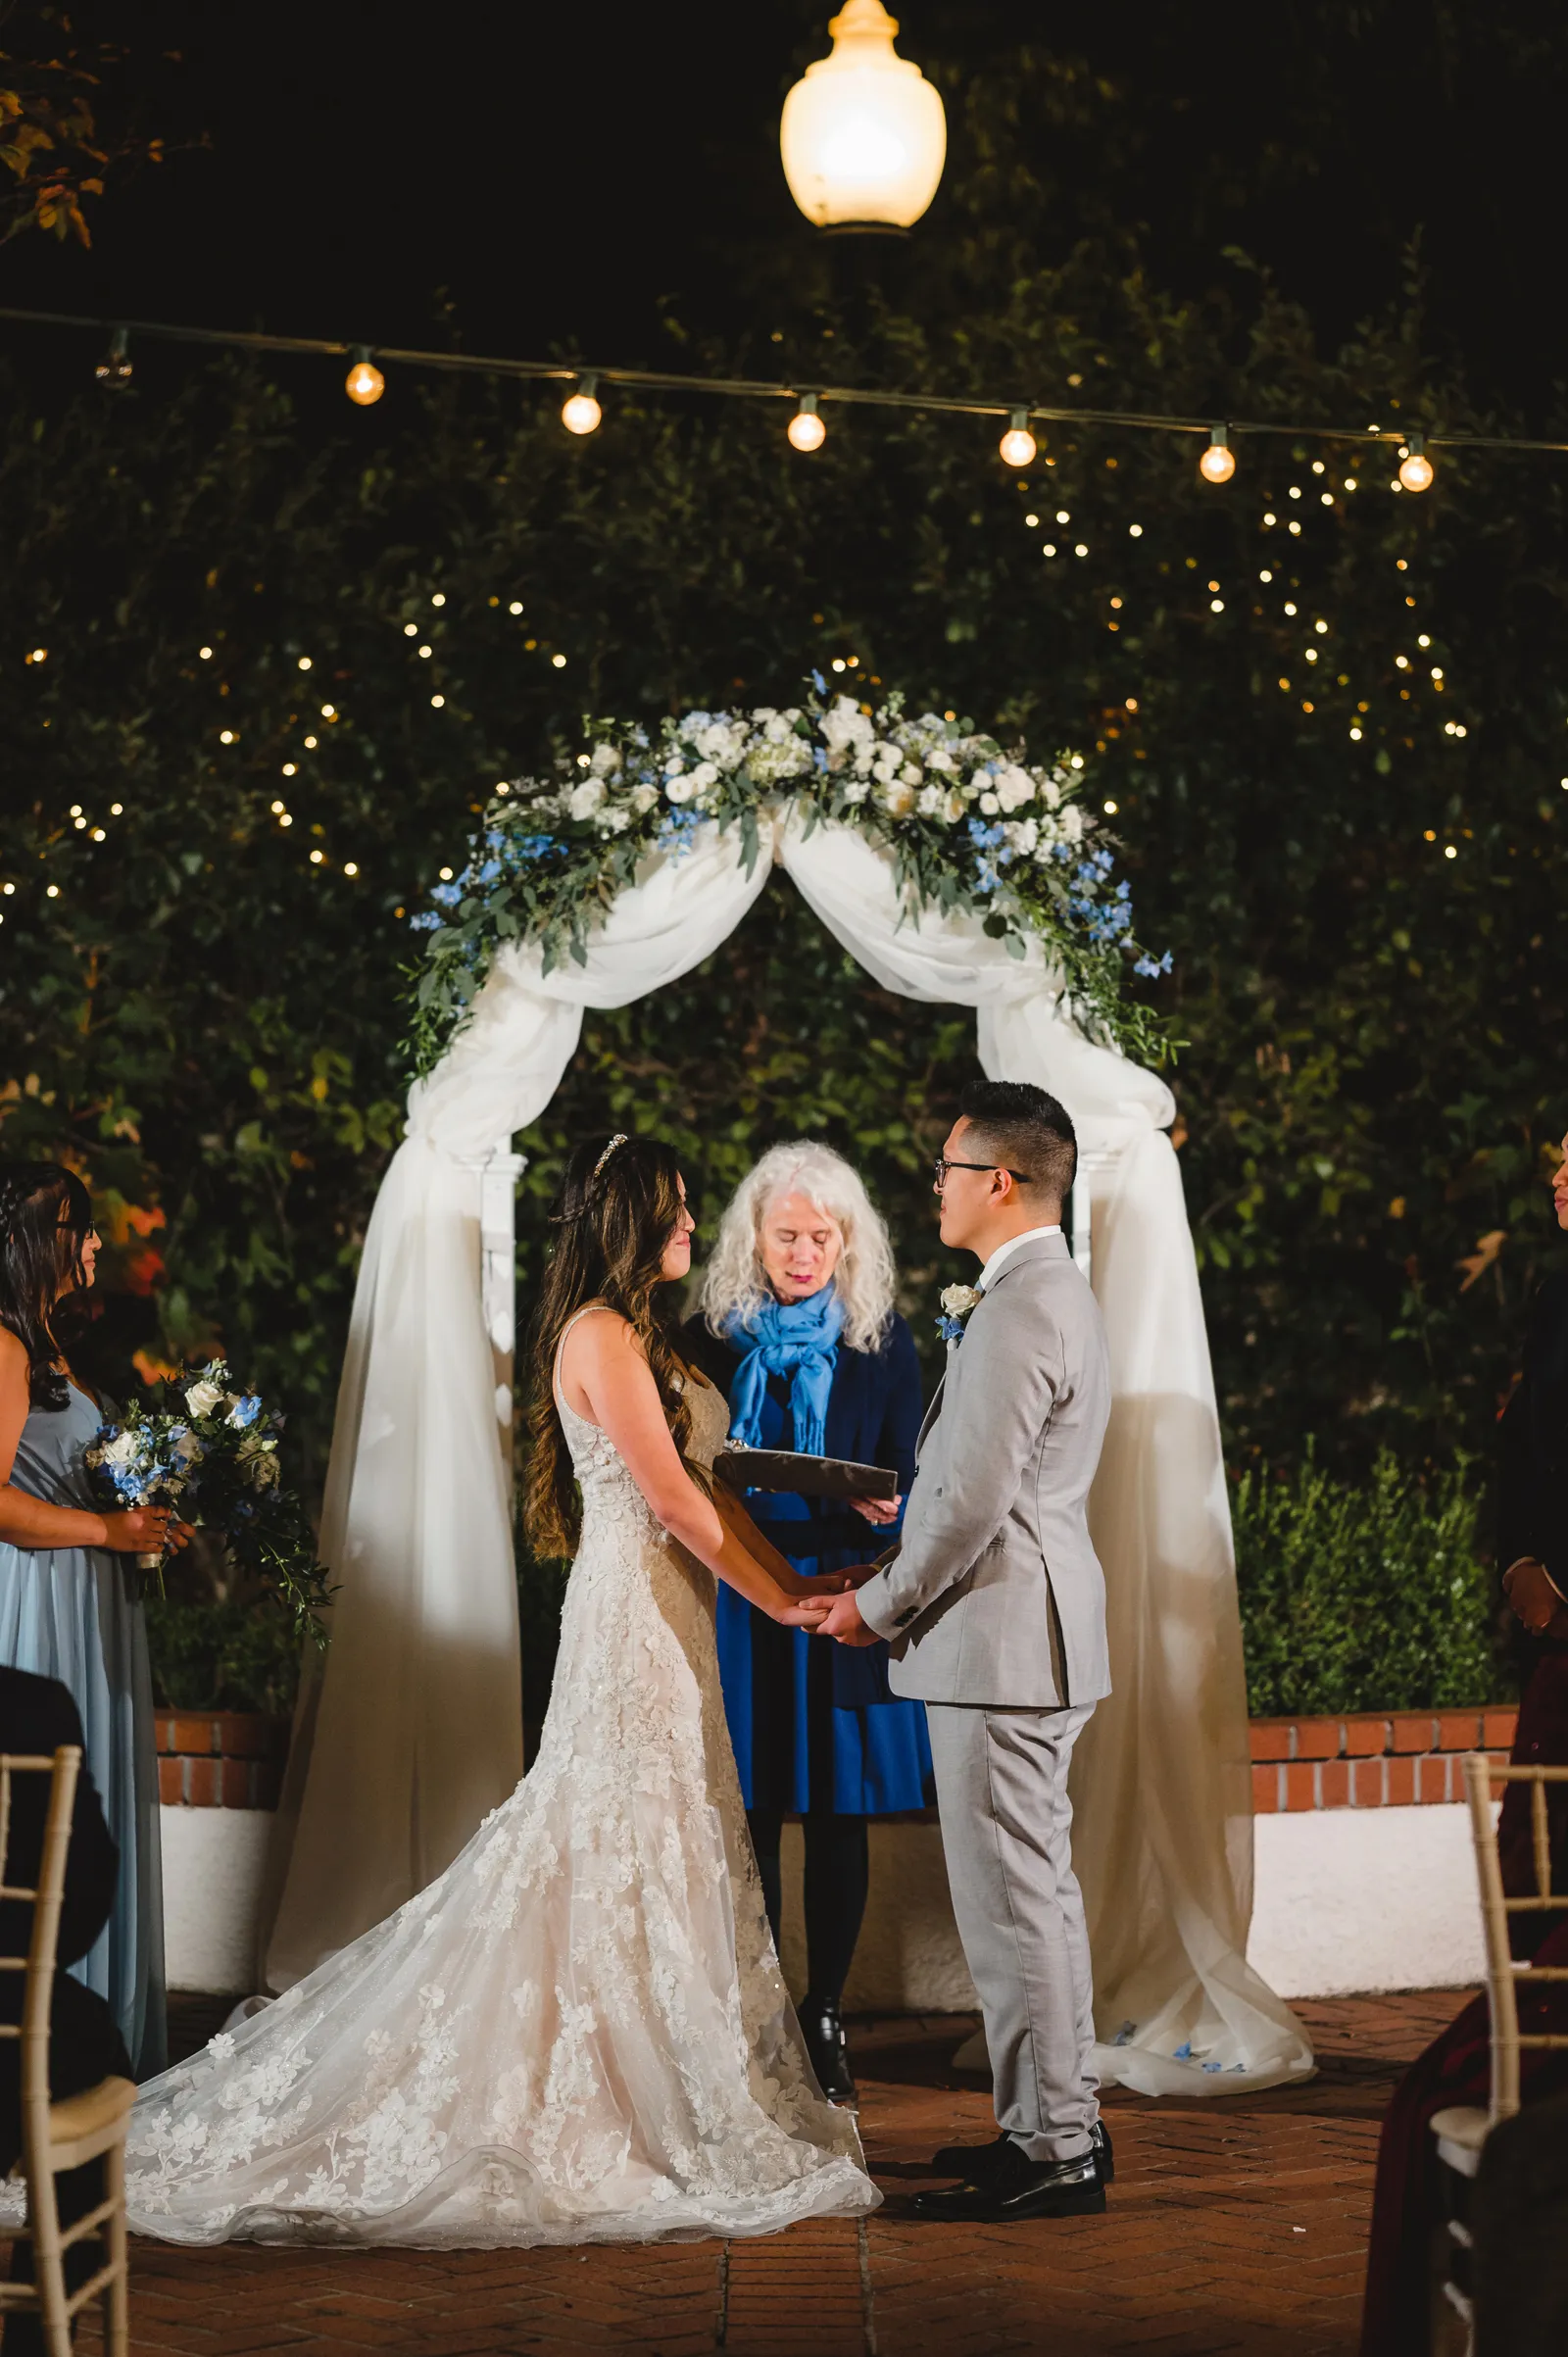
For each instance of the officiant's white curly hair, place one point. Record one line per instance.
(733, 1283)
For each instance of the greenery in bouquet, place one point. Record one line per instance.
(214, 1457)
(971, 828)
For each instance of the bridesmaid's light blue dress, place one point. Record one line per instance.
(67, 1612)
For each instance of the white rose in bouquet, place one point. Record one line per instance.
(1014, 787)
(203, 1398)
(845, 726)
(643, 799)
(605, 757)
(585, 798)
(897, 799)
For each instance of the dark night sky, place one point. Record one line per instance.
(559, 171)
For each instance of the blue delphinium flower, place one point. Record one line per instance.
(448, 895)
(424, 920)
(244, 1412)
(986, 838)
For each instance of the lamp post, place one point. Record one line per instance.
(863, 135)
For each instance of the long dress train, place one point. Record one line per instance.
(580, 2032)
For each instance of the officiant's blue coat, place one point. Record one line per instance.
(813, 1724)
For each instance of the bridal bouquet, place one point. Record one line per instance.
(214, 1457)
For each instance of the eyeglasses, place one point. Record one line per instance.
(942, 1165)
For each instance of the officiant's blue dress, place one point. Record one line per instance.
(816, 1727)
(67, 1612)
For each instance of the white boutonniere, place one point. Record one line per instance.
(956, 1303)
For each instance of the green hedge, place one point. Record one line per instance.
(1365, 1596)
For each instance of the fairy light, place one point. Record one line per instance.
(305, 662)
(1218, 462)
(351, 867)
(437, 703)
(445, 874)
(116, 809)
(1110, 808)
(317, 858)
(425, 653)
(365, 381)
(1415, 472)
(1449, 851)
(440, 598)
(515, 606)
(278, 807)
(290, 769)
(309, 744)
(206, 653)
(226, 736)
(329, 711)
(98, 835)
(1135, 531)
(38, 655)
(1018, 446)
(560, 662)
(580, 413)
(806, 430)
(411, 630)
(51, 892)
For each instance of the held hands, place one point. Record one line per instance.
(842, 1618)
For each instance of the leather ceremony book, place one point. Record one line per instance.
(807, 1476)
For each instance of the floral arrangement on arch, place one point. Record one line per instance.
(969, 825)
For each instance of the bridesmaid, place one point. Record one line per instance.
(66, 1607)
(799, 1327)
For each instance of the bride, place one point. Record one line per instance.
(580, 2032)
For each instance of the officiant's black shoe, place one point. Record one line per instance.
(972, 2161)
(1014, 2188)
(825, 2043)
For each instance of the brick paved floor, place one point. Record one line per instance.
(1236, 2224)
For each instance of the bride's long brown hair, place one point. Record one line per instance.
(616, 1213)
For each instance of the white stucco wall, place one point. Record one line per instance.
(1345, 1900)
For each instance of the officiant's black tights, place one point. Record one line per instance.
(838, 1870)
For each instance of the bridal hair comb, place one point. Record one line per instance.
(559, 1219)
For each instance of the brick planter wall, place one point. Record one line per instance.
(1371, 1759)
(220, 1758)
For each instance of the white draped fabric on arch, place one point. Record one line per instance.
(411, 1729)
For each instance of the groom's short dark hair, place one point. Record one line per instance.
(1025, 1129)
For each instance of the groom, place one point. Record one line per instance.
(995, 1605)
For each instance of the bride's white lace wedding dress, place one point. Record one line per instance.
(580, 2032)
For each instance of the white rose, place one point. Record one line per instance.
(723, 742)
(990, 805)
(605, 759)
(678, 789)
(1072, 823)
(1014, 787)
(953, 807)
(897, 799)
(857, 790)
(936, 759)
(930, 802)
(1050, 793)
(844, 724)
(643, 799)
(120, 1450)
(585, 799)
(614, 821)
(202, 1397)
(763, 714)
(958, 1300)
(913, 774)
(704, 775)
(1022, 834)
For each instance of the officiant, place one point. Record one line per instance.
(799, 1329)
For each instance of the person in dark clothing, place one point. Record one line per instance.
(37, 1716)
(800, 1333)
(1455, 2069)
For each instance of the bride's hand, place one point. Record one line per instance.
(804, 1613)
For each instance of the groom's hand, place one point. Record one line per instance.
(845, 1623)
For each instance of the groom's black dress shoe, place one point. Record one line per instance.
(1015, 2188)
(824, 2034)
(972, 2161)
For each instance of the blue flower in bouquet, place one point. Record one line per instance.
(244, 1412)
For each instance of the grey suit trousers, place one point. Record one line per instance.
(1006, 1825)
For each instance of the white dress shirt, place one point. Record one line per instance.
(1005, 1252)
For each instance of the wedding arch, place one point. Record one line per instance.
(953, 872)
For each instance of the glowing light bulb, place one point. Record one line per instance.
(864, 134)
(1218, 462)
(1018, 445)
(1415, 472)
(806, 428)
(365, 381)
(580, 413)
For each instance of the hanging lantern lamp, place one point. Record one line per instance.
(863, 135)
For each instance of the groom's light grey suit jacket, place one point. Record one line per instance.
(996, 1595)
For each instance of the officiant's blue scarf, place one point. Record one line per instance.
(796, 1339)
